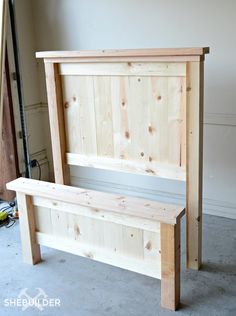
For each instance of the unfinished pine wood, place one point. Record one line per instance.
(163, 170)
(98, 213)
(108, 228)
(30, 247)
(135, 121)
(140, 111)
(99, 254)
(125, 205)
(170, 265)
(194, 163)
(173, 52)
(55, 105)
(123, 69)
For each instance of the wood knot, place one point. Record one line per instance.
(123, 103)
(159, 97)
(150, 129)
(139, 79)
(142, 154)
(149, 245)
(127, 135)
(74, 98)
(77, 230)
(129, 64)
(150, 159)
(188, 89)
(150, 171)
(66, 105)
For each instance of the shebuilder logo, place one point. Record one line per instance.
(24, 300)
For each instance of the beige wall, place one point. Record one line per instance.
(77, 24)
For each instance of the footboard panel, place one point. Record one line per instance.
(131, 233)
(120, 245)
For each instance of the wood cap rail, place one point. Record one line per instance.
(148, 52)
(126, 205)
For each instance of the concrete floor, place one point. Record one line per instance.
(88, 288)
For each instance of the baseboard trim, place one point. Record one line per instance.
(210, 206)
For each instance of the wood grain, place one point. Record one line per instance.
(170, 266)
(125, 205)
(30, 247)
(194, 163)
(56, 117)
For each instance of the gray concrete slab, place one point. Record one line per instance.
(88, 288)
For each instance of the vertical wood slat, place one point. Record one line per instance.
(57, 126)
(30, 249)
(80, 125)
(170, 265)
(103, 114)
(194, 166)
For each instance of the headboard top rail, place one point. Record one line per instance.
(147, 52)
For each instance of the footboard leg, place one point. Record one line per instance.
(170, 265)
(30, 249)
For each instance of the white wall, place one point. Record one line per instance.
(77, 24)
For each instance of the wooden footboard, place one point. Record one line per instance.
(131, 233)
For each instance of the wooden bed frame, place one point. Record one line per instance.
(136, 111)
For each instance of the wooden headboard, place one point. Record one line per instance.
(138, 111)
(125, 110)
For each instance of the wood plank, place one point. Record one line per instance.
(175, 105)
(191, 51)
(92, 212)
(103, 115)
(152, 246)
(123, 69)
(100, 254)
(43, 220)
(170, 265)
(79, 114)
(163, 170)
(124, 59)
(130, 206)
(30, 247)
(194, 163)
(57, 127)
(9, 168)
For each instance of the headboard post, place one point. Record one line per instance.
(57, 125)
(194, 162)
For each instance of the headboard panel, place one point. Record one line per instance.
(126, 116)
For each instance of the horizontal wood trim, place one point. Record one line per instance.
(100, 254)
(191, 51)
(161, 170)
(124, 59)
(126, 206)
(124, 69)
(92, 212)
